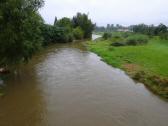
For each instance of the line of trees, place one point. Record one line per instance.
(111, 28)
(151, 30)
(67, 29)
(23, 31)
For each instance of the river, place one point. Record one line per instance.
(66, 85)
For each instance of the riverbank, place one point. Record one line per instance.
(147, 63)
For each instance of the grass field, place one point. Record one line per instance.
(145, 63)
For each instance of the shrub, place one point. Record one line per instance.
(164, 36)
(70, 37)
(137, 40)
(78, 33)
(107, 35)
(65, 37)
(117, 39)
(117, 36)
(118, 44)
(126, 34)
(53, 34)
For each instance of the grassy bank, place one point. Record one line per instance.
(145, 63)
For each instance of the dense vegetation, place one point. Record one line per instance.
(145, 62)
(20, 30)
(112, 28)
(151, 30)
(23, 30)
(82, 21)
(126, 38)
(67, 30)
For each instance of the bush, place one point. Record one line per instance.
(118, 44)
(53, 34)
(137, 40)
(117, 36)
(63, 37)
(164, 36)
(117, 39)
(126, 34)
(107, 35)
(70, 37)
(78, 33)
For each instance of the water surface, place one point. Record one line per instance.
(94, 36)
(65, 85)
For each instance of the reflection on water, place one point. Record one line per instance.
(67, 86)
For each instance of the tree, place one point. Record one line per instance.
(161, 29)
(20, 30)
(150, 29)
(141, 28)
(64, 22)
(55, 21)
(82, 20)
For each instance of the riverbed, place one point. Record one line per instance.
(66, 85)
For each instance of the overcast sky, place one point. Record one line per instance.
(123, 12)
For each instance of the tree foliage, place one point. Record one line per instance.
(112, 28)
(64, 22)
(66, 29)
(82, 20)
(20, 30)
(78, 33)
(53, 34)
(150, 29)
(23, 31)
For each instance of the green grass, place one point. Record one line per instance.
(152, 59)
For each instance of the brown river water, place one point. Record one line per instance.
(66, 85)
